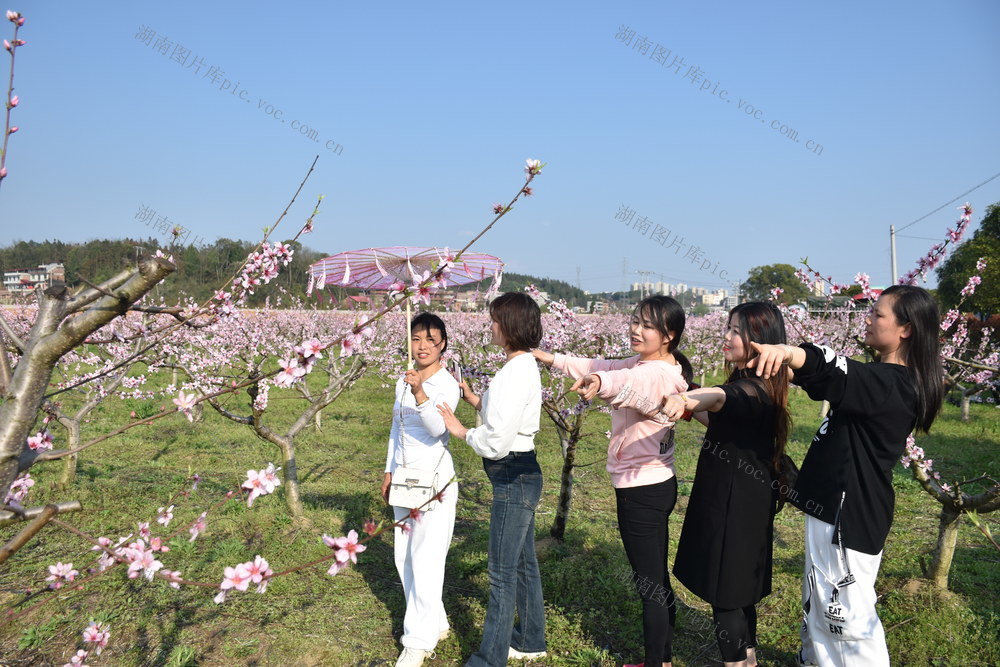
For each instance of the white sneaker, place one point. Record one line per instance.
(514, 654)
(413, 657)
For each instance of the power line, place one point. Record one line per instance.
(950, 202)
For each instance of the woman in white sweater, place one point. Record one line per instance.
(511, 410)
(419, 439)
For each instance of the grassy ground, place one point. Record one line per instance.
(355, 618)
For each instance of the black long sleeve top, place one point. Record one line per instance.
(873, 410)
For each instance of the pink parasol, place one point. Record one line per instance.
(379, 268)
(384, 268)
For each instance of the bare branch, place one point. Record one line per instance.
(239, 419)
(335, 387)
(972, 364)
(981, 478)
(11, 334)
(7, 517)
(86, 296)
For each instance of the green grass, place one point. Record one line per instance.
(355, 618)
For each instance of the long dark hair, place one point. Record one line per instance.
(762, 323)
(667, 316)
(921, 353)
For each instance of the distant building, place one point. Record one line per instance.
(541, 299)
(22, 281)
(716, 298)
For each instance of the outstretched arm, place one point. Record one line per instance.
(772, 357)
(710, 399)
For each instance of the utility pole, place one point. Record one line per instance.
(643, 276)
(892, 254)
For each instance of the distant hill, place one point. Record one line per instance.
(202, 270)
(556, 289)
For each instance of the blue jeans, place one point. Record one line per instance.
(515, 582)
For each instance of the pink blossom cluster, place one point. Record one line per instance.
(256, 571)
(915, 454)
(104, 559)
(423, 288)
(985, 376)
(19, 490)
(809, 278)
(97, 634)
(346, 550)
(78, 660)
(60, 573)
(263, 395)
(934, 256)
(974, 280)
(164, 515)
(13, 100)
(261, 267)
(185, 403)
(864, 281)
(41, 441)
(949, 319)
(198, 526)
(293, 368)
(141, 559)
(357, 341)
(261, 482)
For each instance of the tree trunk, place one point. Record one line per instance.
(947, 538)
(69, 462)
(319, 420)
(558, 529)
(965, 407)
(824, 408)
(291, 479)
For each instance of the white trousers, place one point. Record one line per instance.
(420, 554)
(840, 626)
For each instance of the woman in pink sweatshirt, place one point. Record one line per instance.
(641, 453)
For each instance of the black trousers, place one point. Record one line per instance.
(736, 631)
(643, 512)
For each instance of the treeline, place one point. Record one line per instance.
(556, 289)
(202, 270)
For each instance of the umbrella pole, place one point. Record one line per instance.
(409, 337)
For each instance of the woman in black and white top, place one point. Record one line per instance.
(419, 439)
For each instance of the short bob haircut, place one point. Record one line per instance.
(428, 322)
(520, 320)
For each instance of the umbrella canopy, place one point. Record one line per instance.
(379, 268)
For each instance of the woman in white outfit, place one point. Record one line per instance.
(419, 439)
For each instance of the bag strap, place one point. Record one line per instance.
(848, 578)
(402, 432)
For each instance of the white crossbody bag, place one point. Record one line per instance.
(413, 487)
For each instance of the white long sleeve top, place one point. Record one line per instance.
(423, 436)
(511, 410)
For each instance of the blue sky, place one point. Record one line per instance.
(437, 105)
